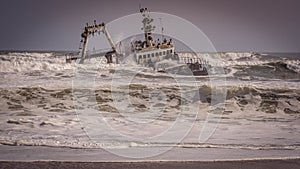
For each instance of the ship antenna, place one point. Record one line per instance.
(162, 28)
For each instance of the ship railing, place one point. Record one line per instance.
(97, 52)
(196, 59)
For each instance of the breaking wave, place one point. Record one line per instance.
(24, 61)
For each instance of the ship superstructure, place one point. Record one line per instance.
(150, 51)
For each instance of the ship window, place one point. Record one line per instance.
(160, 53)
(156, 54)
(171, 51)
(152, 54)
(148, 55)
(168, 51)
(164, 52)
(140, 56)
(144, 56)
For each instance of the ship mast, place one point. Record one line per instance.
(147, 27)
(162, 28)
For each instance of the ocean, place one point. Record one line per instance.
(252, 102)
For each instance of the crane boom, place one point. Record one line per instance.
(91, 30)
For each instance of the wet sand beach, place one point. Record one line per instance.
(257, 164)
(210, 158)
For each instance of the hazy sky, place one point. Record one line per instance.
(231, 25)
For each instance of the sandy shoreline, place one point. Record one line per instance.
(245, 164)
(43, 153)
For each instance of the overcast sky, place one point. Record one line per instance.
(231, 25)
